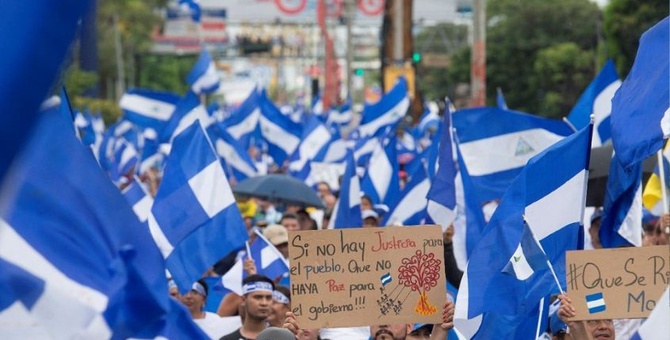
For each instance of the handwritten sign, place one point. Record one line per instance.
(622, 283)
(367, 276)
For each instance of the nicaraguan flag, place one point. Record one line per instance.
(429, 120)
(621, 224)
(597, 100)
(103, 276)
(657, 322)
(410, 208)
(342, 116)
(387, 112)
(243, 121)
(381, 181)
(187, 111)
(139, 199)
(195, 220)
(386, 279)
(442, 194)
(347, 211)
(268, 260)
(315, 137)
(550, 192)
(527, 258)
(496, 144)
(203, 77)
(281, 133)
(641, 107)
(237, 162)
(148, 108)
(595, 303)
(30, 63)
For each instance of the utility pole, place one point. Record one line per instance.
(349, 13)
(478, 67)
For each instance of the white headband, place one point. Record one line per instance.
(280, 297)
(199, 288)
(257, 286)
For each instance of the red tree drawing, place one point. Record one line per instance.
(420, 273)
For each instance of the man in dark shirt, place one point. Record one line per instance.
(257, 300)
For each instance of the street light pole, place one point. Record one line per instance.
(478, 69)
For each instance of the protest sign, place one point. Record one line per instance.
(621, 283)
(367, 276)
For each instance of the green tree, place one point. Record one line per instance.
(564, 71)
(517, 34)
(136, 20)
(624, 23)
(165, 72)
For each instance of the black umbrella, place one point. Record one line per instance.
(599, 170)
(279, 188)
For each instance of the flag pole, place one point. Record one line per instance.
(248, 249)
(539, 319)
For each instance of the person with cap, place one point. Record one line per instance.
(210, 323)
(281, 304)
(370, 218)
(277, 234)
(257, 300)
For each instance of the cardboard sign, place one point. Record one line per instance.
(622, 283)
(367, 276)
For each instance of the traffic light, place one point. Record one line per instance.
(416, 57)
(359, 72)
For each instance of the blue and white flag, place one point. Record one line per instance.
(410, 208)
(641, 106)
(597, 100)
(528, 257)
(381, 181)
(342, 116)
(103, 276)
(139, 199)
(335, 150)
(347, 211)
(203, 77)
(496, 144)
(281, 133)
(550, 192)
(657, 322)
(268, 260)
(195, 220)
(243, 121)
(442, 194)
(595, 303)
(387, 112)
(187, 111)
(30, 63)
(500, 100)
(237, 162)
(430, 120)
(621, 224)
(148, 108)
(125, 157)
(315, 137)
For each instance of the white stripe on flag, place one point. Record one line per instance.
(412, 203)
(546, 218)
(148, 107)
(199, 113)
(229, 154)
(595, 303)
(211, 189)
(602, 108)
(310, 146)
(389, 117)
(206, 80)
(631, 226)
(143, 208)
(246, 126)
(354, 192)
(522, 268)
(505, 152)
(159, 237)
(380, 171)
(278, 136)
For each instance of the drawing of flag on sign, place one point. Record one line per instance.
(595, 303)
(386, 279)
